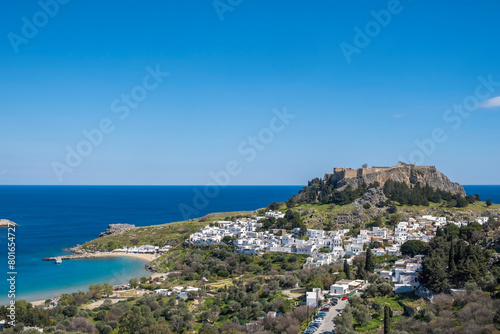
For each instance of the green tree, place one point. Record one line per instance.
(377, 221)
(395, 218)
(107, 289)
(362, 314)
(157, 328)
(452, 268)
(369, 264)
(392, 208)
(70, 311)
(100, 315)
(434, 274)
(360, 273)
(132, 322)
(344, 321)
(387, 320)
(413, 247)
(488, 202)
(66, 299)
(134, 282)
(347, 270)
(103, 328)
(274, 206)
(496, 318)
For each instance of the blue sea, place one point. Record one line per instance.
(52, 218)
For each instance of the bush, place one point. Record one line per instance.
(355, 301)
(80, 324)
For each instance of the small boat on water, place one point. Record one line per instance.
(58, 260)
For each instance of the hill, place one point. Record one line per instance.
(409, 174)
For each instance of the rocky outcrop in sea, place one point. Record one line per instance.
(7, 223)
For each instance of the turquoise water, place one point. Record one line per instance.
(77, 275)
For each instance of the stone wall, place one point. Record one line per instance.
(410, 174)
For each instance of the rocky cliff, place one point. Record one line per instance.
(409, 174)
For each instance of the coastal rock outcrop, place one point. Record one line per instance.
(115, 228)
(7, 223)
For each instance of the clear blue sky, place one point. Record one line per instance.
(227, 76)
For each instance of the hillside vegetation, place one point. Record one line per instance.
(158, 235)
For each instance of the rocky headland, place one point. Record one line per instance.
(7, 223)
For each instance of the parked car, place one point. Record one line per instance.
(325, 309)
(344, 298)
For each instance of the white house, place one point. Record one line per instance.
(378, 251)
(306, 249)
(339, 289)
(318, 234)
(163, 292)
(393, 250)
(482, 220)
(275, 214)
(312, 298)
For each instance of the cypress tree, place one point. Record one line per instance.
(387, 320)
(347, 270)
(452, 268)
(360, 273)
(369, 264)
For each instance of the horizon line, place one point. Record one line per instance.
(177, 185)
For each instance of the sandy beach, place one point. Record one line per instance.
(38, 303)
(145, 257)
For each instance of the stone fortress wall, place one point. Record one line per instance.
(402, 172)
(348, 173)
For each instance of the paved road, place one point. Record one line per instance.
(326, 326)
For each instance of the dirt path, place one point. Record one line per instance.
(98, 303)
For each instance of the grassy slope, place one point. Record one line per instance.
(158, 235)
(319, 215)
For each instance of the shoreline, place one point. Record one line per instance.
(145, 257)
